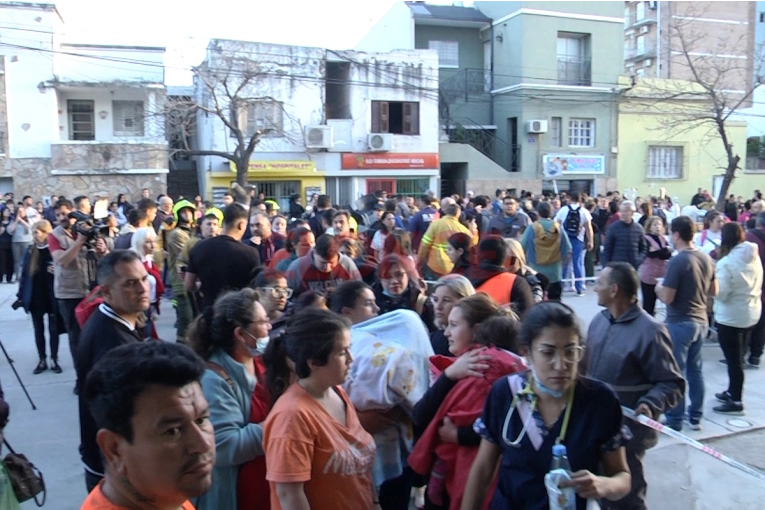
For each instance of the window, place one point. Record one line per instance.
(555, 131)
(266, 116)
(626, 17)
(640, 11)
(762, 17)
(386, 185)
(581, 133)
(448, 53)
(640, 45)
(81, 119)
(640, 73)
(401, 118)
(574, 59)
(128, 118)
(414, 187)
(665, 162)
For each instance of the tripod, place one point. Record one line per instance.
(10, 362)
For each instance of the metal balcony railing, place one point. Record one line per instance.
(465, 83)
(506, 155)
(632, 20)
(647, 50)
(574, 71)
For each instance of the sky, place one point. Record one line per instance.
(185, 30)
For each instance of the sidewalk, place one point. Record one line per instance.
(679, 477)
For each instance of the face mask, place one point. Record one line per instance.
(544, 389)
(261, 344)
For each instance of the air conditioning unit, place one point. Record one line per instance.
(318, 137)
(643, 30)
(536, 126)
(647, 63)
(380, 142)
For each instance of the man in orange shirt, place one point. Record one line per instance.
(154, 431)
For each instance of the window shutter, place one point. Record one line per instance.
(375, 128)
(384, 117)
(411, 121)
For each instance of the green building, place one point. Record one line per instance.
(528, 90)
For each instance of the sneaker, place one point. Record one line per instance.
(676, 427)
(41, 367)
(752, 362)
(730, 407)
(694, 423)
(54, 366)
(723, 396)
(579, 293)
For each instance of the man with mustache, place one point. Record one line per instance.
(154, 431)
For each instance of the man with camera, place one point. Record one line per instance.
(71, 281)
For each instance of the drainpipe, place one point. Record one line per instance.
(491, 73)
(658, 39)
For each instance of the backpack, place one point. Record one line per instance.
(547, 244)
(573, 221)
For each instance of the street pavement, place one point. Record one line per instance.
(679, 477)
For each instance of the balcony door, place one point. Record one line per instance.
(573, 59)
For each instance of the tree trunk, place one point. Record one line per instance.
(730, 174)
(242, 167)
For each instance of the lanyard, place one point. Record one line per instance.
(534, 399)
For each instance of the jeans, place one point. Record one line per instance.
(19, 249)
(649, 297)
(6, 264)
(577, 260)
(757, 339)
(66, 309)
(38, 323)
(733, 344)
(687, 339)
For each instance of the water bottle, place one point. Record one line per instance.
(561, 498)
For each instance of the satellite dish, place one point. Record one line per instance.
(553, 170)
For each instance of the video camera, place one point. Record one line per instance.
(92, 226)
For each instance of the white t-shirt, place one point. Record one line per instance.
(378, 241)
(584, 218)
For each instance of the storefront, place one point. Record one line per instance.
(277, 180)
(395, 173)
(572, 172)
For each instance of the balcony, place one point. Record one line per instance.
(74, 158)
(640, 51)
(574, 71)
(634, 21)
(465, 83)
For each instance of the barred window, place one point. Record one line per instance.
(665, 162)
(581, 133)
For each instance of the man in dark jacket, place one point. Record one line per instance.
(511, 223)
(632, 352)
(625, 239)
(757, 342)
(419, 223)
(125, 289)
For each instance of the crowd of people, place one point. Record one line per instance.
(356, 357)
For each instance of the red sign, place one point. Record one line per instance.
(389, 161)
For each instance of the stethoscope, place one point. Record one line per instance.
(528, 391)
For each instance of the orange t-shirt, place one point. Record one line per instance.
(304, 443)
(97, 501)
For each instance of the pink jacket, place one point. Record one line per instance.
(653, 268)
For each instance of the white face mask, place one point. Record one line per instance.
(260, 345)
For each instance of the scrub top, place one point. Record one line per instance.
(595, 426)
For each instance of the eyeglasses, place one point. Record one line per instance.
(278, 292)
(571, 355)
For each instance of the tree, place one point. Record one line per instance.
(720, 86)
(231, 89)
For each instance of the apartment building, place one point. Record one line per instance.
(717, 37)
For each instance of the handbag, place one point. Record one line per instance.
(26, 479)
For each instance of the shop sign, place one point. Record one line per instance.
(278, 166)
(574, 164)
(389, 161)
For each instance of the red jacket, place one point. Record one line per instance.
(463, 405)
(252, 490)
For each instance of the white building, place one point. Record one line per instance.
(344, 123)
(77, 118)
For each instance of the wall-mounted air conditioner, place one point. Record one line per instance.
(380, 142)
(318, 137)
(647, 63)
(643, 30)
(536, 126)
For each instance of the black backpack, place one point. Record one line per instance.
(573, 222)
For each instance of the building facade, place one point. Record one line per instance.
(345, 123)
(529, 90)
(78, 118)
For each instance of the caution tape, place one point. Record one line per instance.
(648, 422)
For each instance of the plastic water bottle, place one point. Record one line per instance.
(561, 498)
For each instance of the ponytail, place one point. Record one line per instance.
(279, 371)
(199, 334)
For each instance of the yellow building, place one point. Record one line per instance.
(656, 151)
(278, 180)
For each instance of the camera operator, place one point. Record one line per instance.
(71, 280)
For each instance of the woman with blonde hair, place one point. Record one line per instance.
(143, 243)
(516, 259)
(448, 290)
(36, 294)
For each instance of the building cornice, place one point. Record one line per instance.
(558, 14)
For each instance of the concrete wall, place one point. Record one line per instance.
(477, 108)
(395, 30)
(93, 63)
(32, 119)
